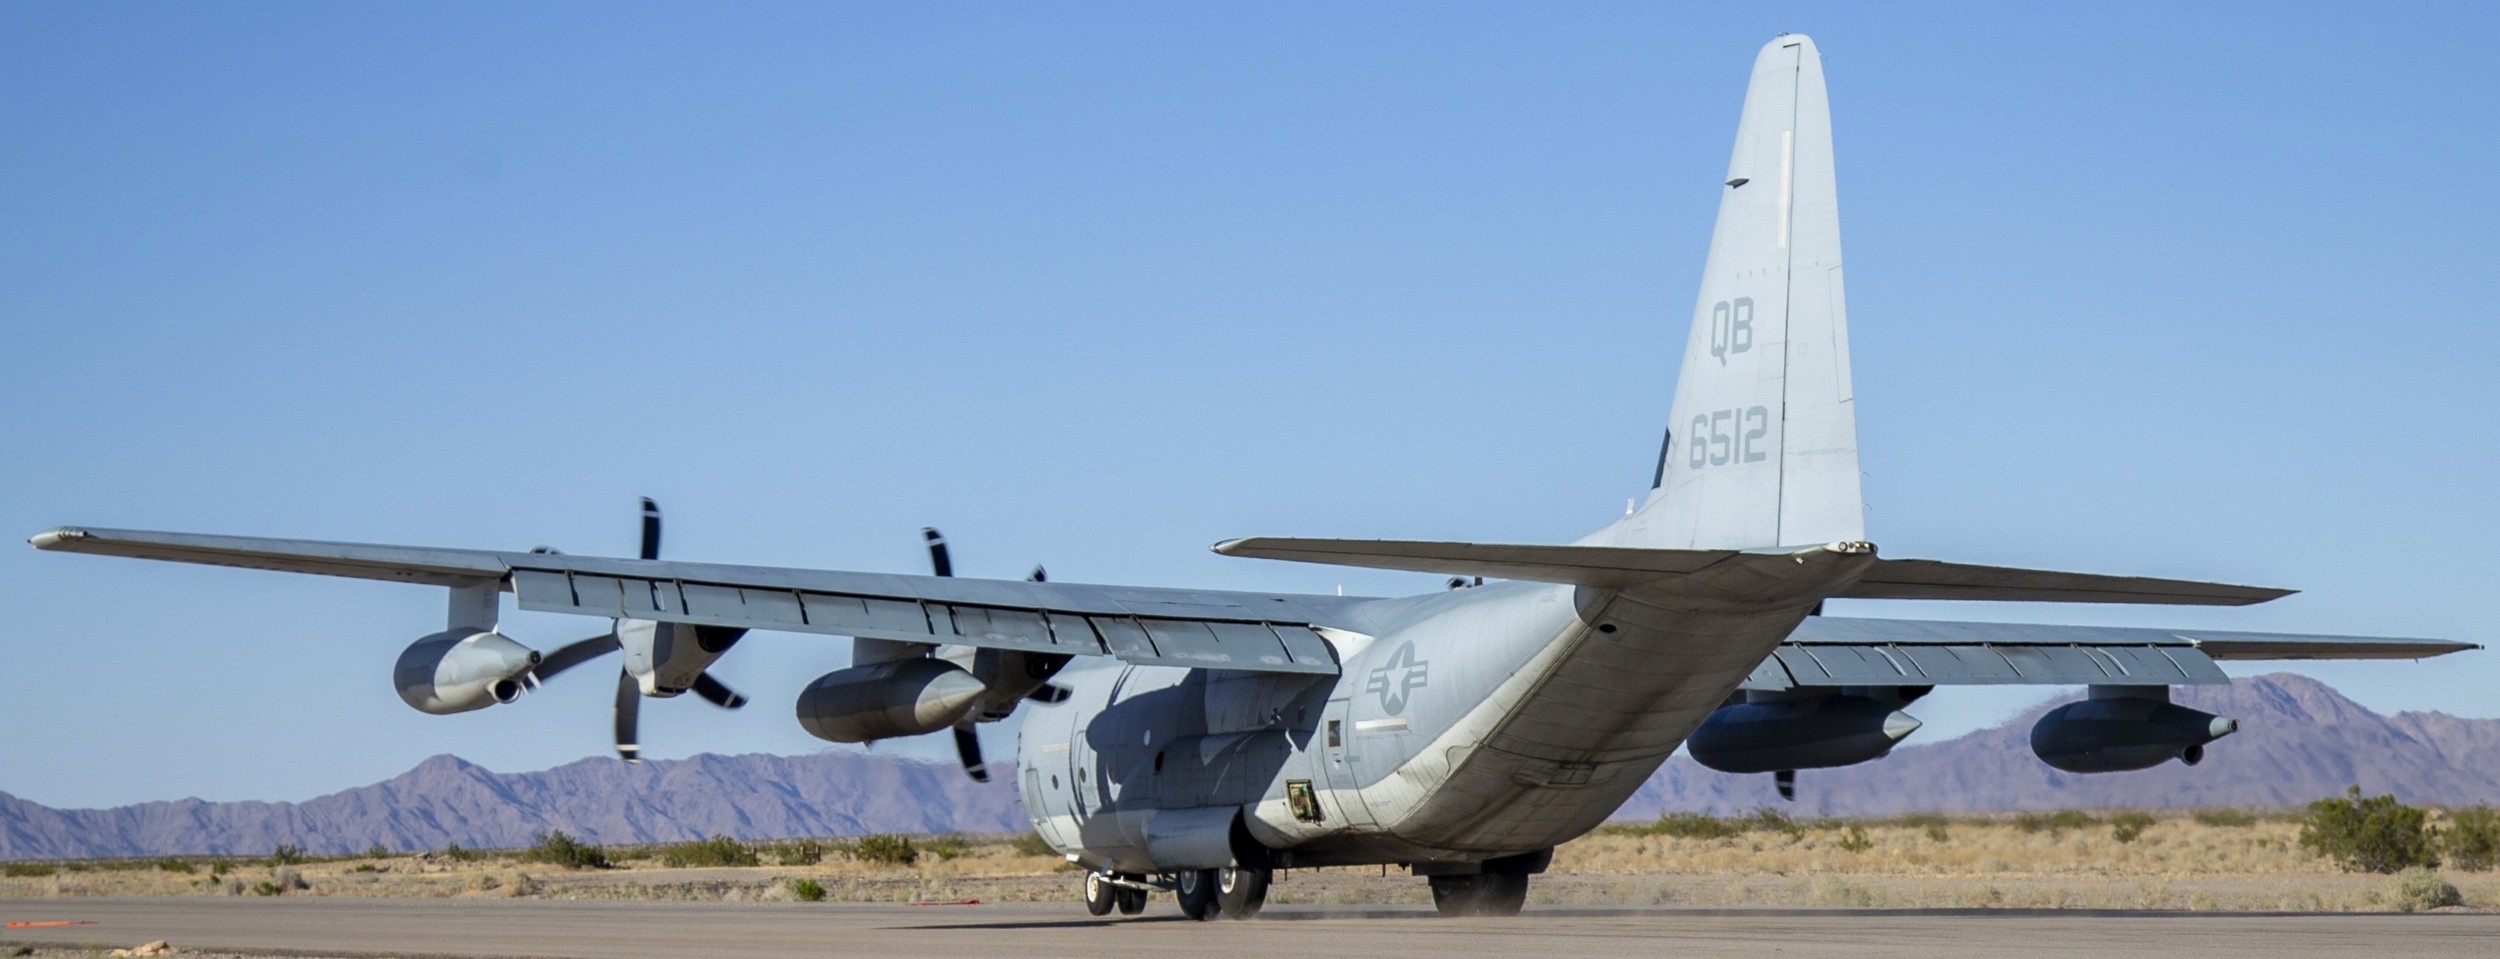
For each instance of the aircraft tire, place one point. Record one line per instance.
(1240, 891)
(1195, 888)
(1482, 894)
(1100, 895)
(1131, 901)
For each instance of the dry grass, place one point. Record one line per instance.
(2179, 861)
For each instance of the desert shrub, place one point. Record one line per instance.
(288, 879)
(267, 889)
(219, 867)
(2372, 834)
(1032, 844)
(2472, 839)
(366, 867)
(886, 848)
(716, 851)
(28, 870)
(2058, 821)
(946, 847)
(1686, 825)
(2126, 826)
(287, 854)
(171, 864)
(377, 851)
(555, 848)
(806, 852)
(454, 853)
(2419, 890)
(807, 890)
(2226, 818)
(1854, 840)
(1767, 819)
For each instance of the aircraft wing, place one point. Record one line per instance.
(1849, 651)
(1253, 632)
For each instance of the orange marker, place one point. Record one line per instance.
(64, 922)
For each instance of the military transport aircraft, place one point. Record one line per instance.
(1460, 734)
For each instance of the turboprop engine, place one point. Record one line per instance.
(1775, 735)
(457, 670)
(905, 697)
(2125, 728)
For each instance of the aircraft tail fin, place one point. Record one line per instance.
(1762, 447)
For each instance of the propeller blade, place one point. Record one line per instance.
(938, 560)
(1040, 575)
(628, 716)
(968, 749)
(717, 693)
(574, 654)
(1050, 693)
(650, 529)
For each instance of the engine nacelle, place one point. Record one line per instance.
(458, 670)
(1805, 733)
(2123, 728)
(904, 697)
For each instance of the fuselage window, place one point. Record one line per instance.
(1334, 740)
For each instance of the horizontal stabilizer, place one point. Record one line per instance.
(1620, 567)
(1929, 579)
(1611, 566)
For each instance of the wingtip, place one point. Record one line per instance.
(55, 537)
(1227, 547)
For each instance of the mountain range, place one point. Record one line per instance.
(2299, 740)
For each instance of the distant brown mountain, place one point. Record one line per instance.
(2299, 740)
(447, 800)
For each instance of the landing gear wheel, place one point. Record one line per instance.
(1196, 890)
(1132, 901)
(1099, 894)
(1240, 891)
(1482, 894)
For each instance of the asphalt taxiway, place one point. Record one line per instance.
(626, 929)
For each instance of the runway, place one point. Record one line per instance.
(348, 927)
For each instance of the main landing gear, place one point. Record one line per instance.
(1229, 893)
(1482, 894)
(1234, 892)
(1103, 894)
(1499, 889)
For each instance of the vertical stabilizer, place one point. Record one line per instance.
(1762, 442)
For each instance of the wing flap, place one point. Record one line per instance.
(1280, 645)
(1849, 651)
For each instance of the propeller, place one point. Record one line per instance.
(967, 735)
(711, 639)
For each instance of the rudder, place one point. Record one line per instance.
(1761, 448)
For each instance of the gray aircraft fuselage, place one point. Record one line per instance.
(1465, 725)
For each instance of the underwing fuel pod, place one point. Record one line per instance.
(2125, 728)
(1816, 732)
(457, 670)
(908, 697)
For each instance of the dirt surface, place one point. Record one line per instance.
(358, 928)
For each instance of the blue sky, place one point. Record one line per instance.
(2201, 292)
